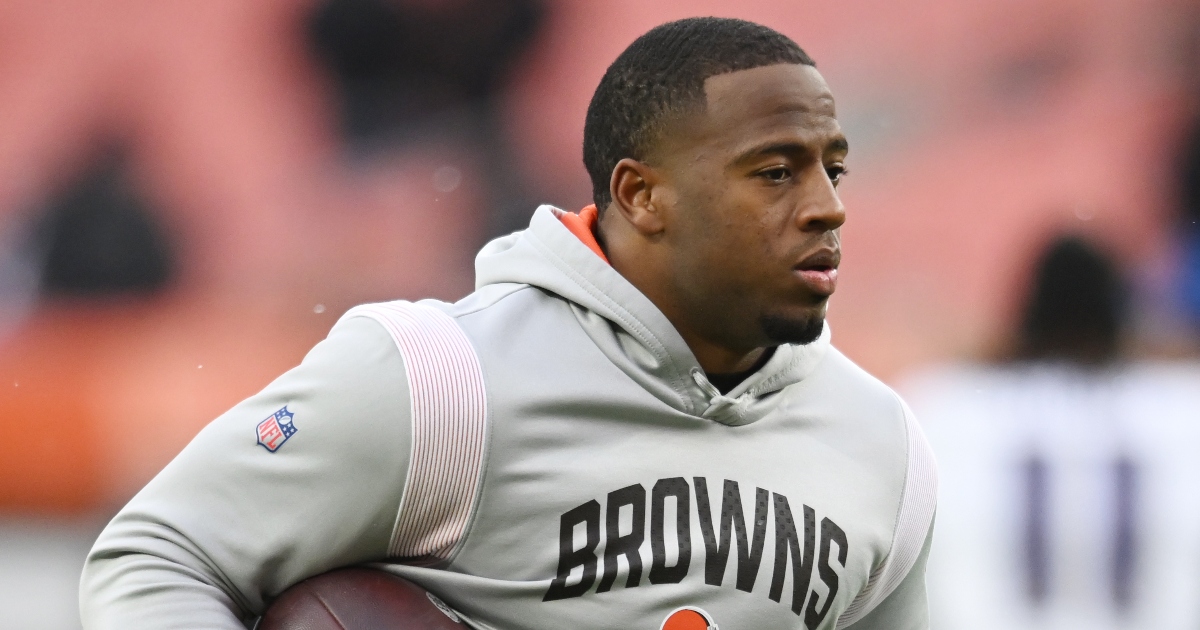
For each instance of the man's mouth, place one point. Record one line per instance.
(819, 271)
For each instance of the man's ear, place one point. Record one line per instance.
(632, 188)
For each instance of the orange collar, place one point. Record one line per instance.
(583, 226)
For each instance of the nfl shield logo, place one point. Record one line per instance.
(276, 429)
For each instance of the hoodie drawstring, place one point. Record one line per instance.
(717, 402)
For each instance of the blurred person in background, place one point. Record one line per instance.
(1068, 496)
(411, 73)
(1188, 190)
(1189, 233)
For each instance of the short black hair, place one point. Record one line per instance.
(1078, 305)
(662, 74)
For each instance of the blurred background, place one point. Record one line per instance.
(191, 194)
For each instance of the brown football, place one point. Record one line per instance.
(357, 599)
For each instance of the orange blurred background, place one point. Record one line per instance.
(266, 184)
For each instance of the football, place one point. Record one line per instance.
(358, 599)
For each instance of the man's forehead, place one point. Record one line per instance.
(769, 105)
(781, 104)
(767, 91)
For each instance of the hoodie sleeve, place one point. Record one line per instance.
(228, 524)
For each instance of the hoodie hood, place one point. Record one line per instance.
(629, 329)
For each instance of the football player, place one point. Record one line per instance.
(637, 416)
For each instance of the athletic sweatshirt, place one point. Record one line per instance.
(545, 453)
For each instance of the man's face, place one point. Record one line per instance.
(752, 207)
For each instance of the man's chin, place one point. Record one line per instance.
(793, 330)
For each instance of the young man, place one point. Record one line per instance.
(636, 417)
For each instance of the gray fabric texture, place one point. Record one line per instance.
(907, 608)
(598, 413)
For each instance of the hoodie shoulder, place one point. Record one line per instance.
(481, 299)
(855, 383)
(859, 416)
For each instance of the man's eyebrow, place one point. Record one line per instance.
(837, 145)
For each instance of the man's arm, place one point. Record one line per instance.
(228, 524)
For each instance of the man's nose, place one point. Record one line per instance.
(820, 208)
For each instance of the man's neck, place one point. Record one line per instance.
(726, 382)
(716, 359)
(637, 266)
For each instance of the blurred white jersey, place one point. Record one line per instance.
(1069, 499)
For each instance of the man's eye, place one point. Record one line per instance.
(836, 173)
(777, 174)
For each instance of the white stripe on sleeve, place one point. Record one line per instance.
(448, 407)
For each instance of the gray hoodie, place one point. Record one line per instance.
(545, 453)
